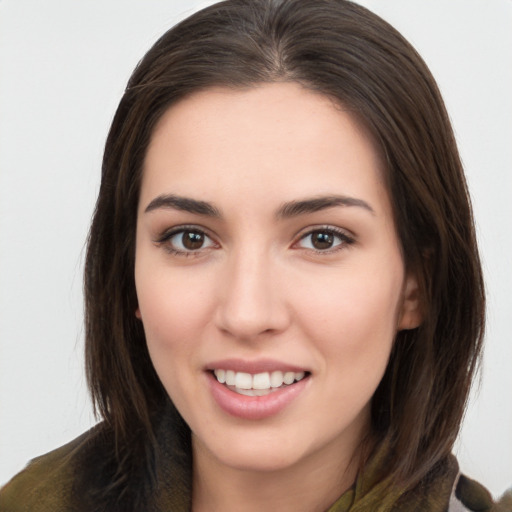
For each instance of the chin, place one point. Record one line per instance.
(262, 461)
(258, 455)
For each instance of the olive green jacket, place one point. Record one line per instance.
(64, 481)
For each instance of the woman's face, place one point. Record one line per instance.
(269, 275)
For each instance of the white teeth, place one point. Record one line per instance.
(230, 377)
(289, 377)
(253, 392)
(221, 375)
(261, 381)
(246, 392)
(243, 380)
(299, 376)
(276, 379)
(258, 384)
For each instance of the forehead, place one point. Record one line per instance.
(271, 106)
(295, 141)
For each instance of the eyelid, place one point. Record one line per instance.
(347, 238)
(167, 234)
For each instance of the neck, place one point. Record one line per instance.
(310, 485)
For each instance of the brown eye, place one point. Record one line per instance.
(192, 240)
(324, 240)
(321, 240)
(187, 241)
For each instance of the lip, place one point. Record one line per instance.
(253, 367)
(254, 407)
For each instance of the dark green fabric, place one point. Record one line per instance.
(49, 483)
(432, 495)
(66, 479)
(45, 485)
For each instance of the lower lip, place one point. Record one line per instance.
(254, 407)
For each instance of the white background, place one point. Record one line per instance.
(63, 67)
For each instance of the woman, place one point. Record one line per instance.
(284, 301)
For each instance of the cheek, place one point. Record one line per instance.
(174, 309)
(355, 313)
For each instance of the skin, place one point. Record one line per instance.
(257, 287)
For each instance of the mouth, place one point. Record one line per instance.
(256, 390)
(257, 384)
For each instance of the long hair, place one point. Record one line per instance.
(343, 51)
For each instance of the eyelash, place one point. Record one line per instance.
(164, 239)
(345, 239)
(166, 236)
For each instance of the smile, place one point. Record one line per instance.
(259, 384)
(256, 390)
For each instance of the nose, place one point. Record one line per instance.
(251, 301)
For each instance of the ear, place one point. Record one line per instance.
(411, 314)
(137, 314)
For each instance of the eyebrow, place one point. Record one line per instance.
(287, 210)
(315, 204)
(171, 201)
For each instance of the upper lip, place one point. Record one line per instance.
(254, 366)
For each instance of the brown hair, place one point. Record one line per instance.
(344, 51)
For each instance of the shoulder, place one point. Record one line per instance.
(47, 483)
(470, 496)
(95, 473)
